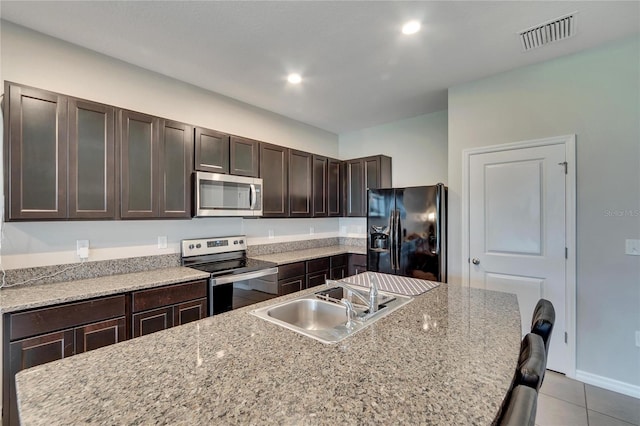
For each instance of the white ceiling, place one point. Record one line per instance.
(358, 69)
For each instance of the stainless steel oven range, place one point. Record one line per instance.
(235, 280)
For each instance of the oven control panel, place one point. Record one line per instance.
(204, 246)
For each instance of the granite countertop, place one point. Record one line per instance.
(308, 254)
(445, 358)
(35, 296)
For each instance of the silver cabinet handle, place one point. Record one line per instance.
(475, 261)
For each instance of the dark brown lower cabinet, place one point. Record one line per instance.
(339, 267)
(148, 322)
(100, 334)
(291, 278)
(43, 335)
(165, 307)
(317, 271)
(357, 263)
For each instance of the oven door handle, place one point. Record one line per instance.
(226, 279)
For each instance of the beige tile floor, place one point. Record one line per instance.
(567, 402)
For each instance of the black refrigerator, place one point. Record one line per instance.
(407, 231)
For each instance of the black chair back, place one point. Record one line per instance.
(532, 362)
(544, 316)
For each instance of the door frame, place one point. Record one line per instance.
(569, 142)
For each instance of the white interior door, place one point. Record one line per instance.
(517, 232)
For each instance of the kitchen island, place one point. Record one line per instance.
(445, 358)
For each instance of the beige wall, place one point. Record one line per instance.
(417, 146)
(596, 95)
(34, 59)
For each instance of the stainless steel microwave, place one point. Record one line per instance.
(226, 195)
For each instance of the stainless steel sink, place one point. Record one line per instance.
(309, 314)
(322, 317)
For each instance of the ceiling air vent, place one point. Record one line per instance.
(548, 32)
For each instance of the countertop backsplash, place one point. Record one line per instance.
(79, 271)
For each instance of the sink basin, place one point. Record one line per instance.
(310, 314)
(321, 316)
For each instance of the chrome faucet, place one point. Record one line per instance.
(371, 302)
(351, 313)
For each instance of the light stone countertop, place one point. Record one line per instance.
(445, 358)
(27, 297)
(308, 254)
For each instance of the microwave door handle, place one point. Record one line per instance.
(252, 196)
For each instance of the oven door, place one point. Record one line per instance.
(234, 291)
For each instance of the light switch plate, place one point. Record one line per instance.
(632, 247)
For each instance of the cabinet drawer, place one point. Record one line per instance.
(317, 265)
(290, 285)
(46, 320)
(169, 295)
(291, 270)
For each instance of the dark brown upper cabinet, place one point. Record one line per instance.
(155, 167)
(176, 167)
(274, 174)
(139, 171)
(244, 157)
(362, 174)
(300, 175)
(334, 187)
(92, 193)
(36, 131)
(211, 151)
(320, 185)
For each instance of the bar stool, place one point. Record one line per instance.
(544, 316)
(519, 408)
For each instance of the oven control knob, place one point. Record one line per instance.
(191, 246)
(198, 245)
(241, 241)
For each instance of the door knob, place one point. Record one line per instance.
(475, 261)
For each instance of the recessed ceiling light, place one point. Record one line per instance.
(411, 27)
(294, 78)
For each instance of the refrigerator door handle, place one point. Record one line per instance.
(398, 235)
(392, 238)
(438, 198)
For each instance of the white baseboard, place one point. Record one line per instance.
(609, 384)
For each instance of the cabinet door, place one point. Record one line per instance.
(148, 322)
(99, 334)
(37, 154)
(355, 187)
(299, 184)
(138, 165)
(334, 187)
(244, 157)
(176, 167)
(91, 160)
(212, 151)
(291, 285)
(29, 353)
(357, 263)
(274, 173)
(338, 272)
(317, 278)
(320, 188)
(371, 173)
(186, 312)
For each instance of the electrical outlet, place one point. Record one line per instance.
(162, 242)
(632, 247)
(82, 249)
(638, 338)
(271, 234)
(311, 230)
(343, 230)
